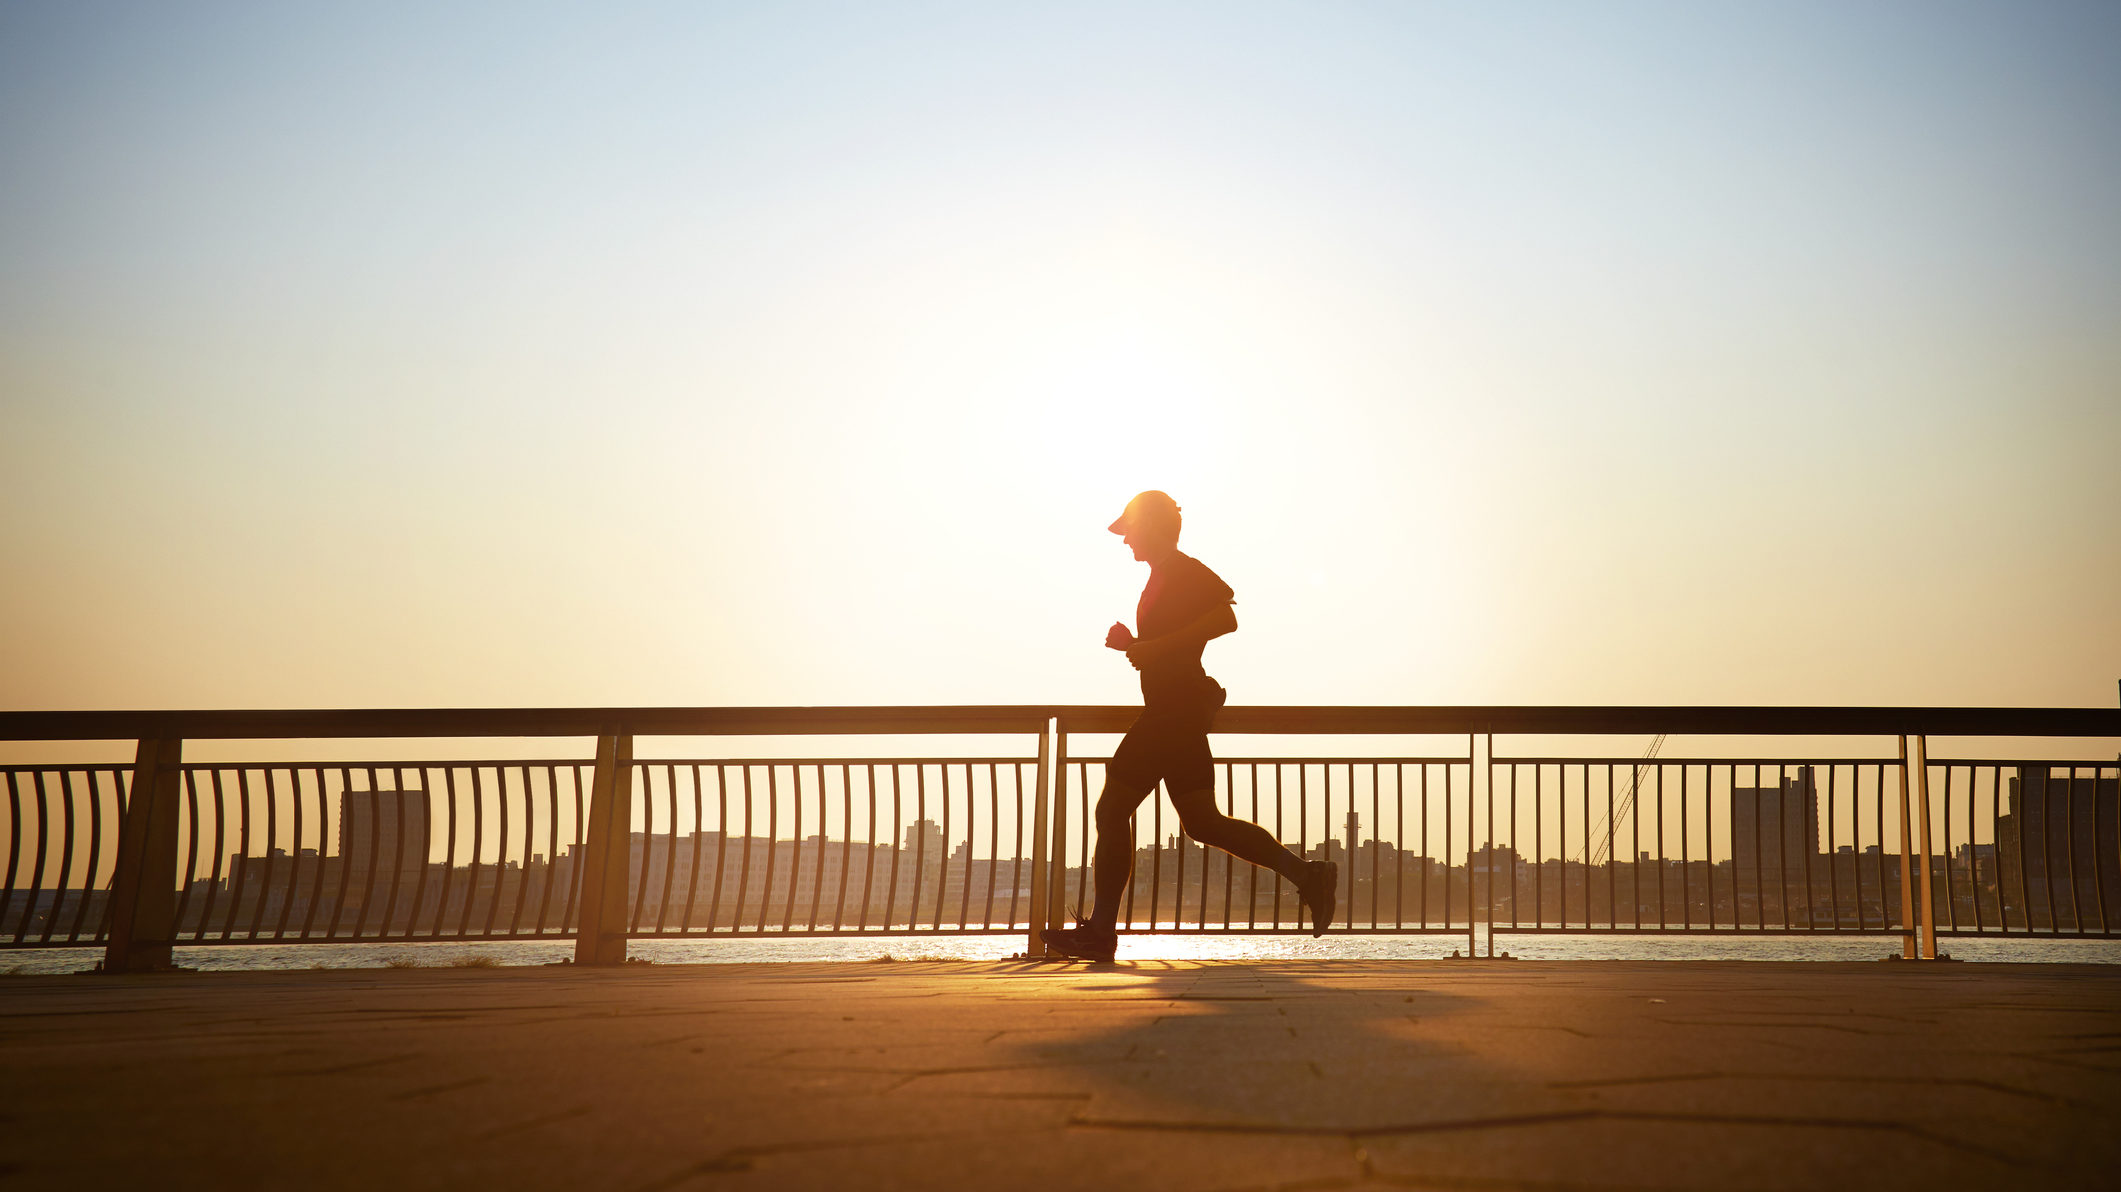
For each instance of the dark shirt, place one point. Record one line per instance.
(1179, 591)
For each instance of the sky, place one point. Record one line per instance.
(1530, 353)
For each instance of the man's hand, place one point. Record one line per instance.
(1119, 637)
(1141, 652)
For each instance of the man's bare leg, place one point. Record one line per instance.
(1315, 881)
(1112, 860)
(1111, 865)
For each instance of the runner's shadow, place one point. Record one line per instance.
(1276, 1046)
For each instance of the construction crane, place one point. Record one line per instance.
(1597, 844)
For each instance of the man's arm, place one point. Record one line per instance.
(1196, 633)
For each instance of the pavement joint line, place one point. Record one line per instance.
(433, 1089)
(550, 1119)
(1827, 1078)
(1812, 1026)
(739, 1159)
(1542, 1119)
(1350, 1132)
(2048, 1058)
(356, 1066)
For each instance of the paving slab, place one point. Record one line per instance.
(1174, 1075)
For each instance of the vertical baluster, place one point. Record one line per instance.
(1613, 857)
(377, 874)
(692, 876)
(773, 843)
(942, 864)
(1708, 840)
(898, 814)
(624, 826)
(1303, 849)
(272, 837)
(239, 882)
(2069, 853)
(421, 851)
(95, 855)
(316, 871)
(743, 877)
(66, 854)
(1686, 864)
(1156, 858)
(1782, 841)
(1252, 781)
(1082, 838)
(1016, 863)
(994, 843)
(869, 865)
(1539, 907)
(839, 906)
(1973, 854)
(1399, 844)
(220, 845)
(552, 847)
(1585, 787)
(1885, 889)
(1424, 820)
(1951, 889)
(1377, 823)
(14, 853)
(500, 845)
(670, 851)
(438, 923)
(964, 895)
(795, 854)
(2092, 845)
(1833, 860)
(1856, 846)
(1448, 821)
(824, 843)
(577, 850)
(721, 850)
(1808, 838)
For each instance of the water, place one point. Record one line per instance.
(248, 957)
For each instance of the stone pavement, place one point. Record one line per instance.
(1160, 1075)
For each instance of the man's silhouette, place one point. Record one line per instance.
(1183, 606)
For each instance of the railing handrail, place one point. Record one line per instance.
(860, 720)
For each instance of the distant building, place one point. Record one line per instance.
(1775, 829)
(2061, 826)
(383, 842)
(924, 838)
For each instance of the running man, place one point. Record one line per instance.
(1183, 606)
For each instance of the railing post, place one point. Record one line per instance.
(600, 939)
(143, 898)
(1057, 867)
(1910, 949)
(1035, 944)
(1922, 846)
(1472, 875)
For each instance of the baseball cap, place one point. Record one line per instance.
(1151, 506)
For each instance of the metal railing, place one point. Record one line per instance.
(1449, 838)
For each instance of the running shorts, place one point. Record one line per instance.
(1169, 741)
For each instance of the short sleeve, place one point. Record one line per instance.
(1206, 588)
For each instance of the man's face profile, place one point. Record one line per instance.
(1150, 540)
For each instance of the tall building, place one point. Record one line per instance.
(924, 838)
(1775, 829)
(2061, 825)
(391, 826)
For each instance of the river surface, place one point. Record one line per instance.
(229, 957)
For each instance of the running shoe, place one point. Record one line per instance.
(1084, 941)
(1321, 890)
